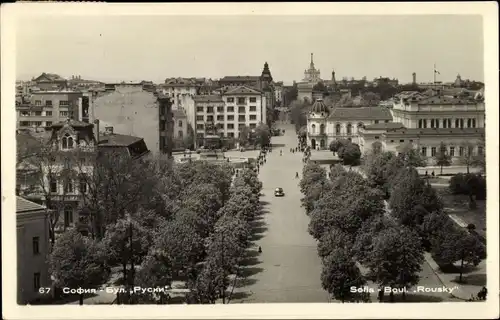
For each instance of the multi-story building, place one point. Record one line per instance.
(32, 249)
(181, 92)
(50, 82)
(180, 124)
(71, 146)
(325, 125)
(312, 76)
(236, 108)
(384, 80)
(278, 92)
(43, 108)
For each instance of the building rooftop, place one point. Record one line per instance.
(434, 131)
(363, 113)
(385, 126)
(25, 206)
(446, 100)
(179, 113)
(116, 140)
(243, 90)
(208, 98)
(49, 77)
(240, 78)
(73, 123)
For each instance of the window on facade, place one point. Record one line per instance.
(220, 118)
(253, 125)
(424, 151)
(253, 108)
(200, 118)
(437, 123)
(63, 103)
(68, 216)
(199, 126)
(231, 99)
(473, 123)
(180, 123)
(37, 123)
(48, 123)
(67, 142)
(402, 140)
(349, 129)
(241, 118)
(210, 118)
(36, 245)
(63, 113)
(433, 151)
(449, 123)
(48, 103)
(83, 185)
(432, 123)
(337, 129)
(220, 109)
(420, 123)
(376, 121)
(241, 100)
(162, 125)
(392, 141)
(199, 109)
(38, 113)
(470, 151)
(48, 113)
(180, 134)
(313, 129)
(253, 117)
(445, 123)
(322, 129)
(24, 123)
(36, 281)
(230, 134)
(425, 123)
(461, 151)
(53, 185)
(68, 188)
(452, 151)
(462, 123)
(377, 137)
(457, 123)
(469, 123)
(241, 109)
(480, 150)
(230, 109)
(210, 109)
(230, 126)
(38, 102)
(230, 118)
(253, 99)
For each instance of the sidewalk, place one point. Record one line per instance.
(461, 291)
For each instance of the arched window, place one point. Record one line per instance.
(461, 123)
(322, 129)
(180, 123)
(67, 142)
(337, 129)
(469, 123)
(313, 128)
(420, 125)
(349, 129)
(457, 123)
(473, 123)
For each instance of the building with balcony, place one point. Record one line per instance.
(236, 108)
(32, 250)
(41, 109)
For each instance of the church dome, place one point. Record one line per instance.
(319, 107)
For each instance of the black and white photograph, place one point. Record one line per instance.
(263, 159)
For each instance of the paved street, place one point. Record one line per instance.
(288, 269)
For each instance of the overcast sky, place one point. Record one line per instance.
(153, 48)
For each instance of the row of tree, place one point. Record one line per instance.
(347, 151)
(415, 205)
(260, 136)
(192, 227)
(348, 220)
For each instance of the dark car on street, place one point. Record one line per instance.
(278, 192)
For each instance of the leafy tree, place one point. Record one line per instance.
(412, 198)
(244, 136)
(370, 99)
(410, 156)
(379, 168)
(337, 145)
(210, 285)
(334, 239)
(363, 244)
(311, 173)
(351, 154)
(302, 133)
(470, 184)
(179, 242)
(298, 112)
(434, 226)
(340, 274)
(396, 258)
(251, 179)
(155, 271)
(460, 246)
(262, 135)
(377, 147)
(480, 158)
(77, 262)
(313, 194)
(467, 158)
(127, 242)
(442, 158)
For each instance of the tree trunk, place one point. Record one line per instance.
(124, 270)
(461, 269)
(468, 168)
(81, 299)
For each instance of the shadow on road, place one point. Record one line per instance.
(250, 271)
(240, 295)
(264, 203)
(250, 261)
(245, 282)
(472, 279)
(450, 268)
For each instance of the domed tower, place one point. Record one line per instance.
(266, 76)
(317, 137)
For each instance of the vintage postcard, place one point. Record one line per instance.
(250, 160)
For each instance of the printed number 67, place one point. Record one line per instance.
(43, 290)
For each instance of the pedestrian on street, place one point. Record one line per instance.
(296, 175)
(433, 173)
(260, 249)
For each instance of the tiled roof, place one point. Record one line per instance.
(51, 77)
(208, 98)
(23, 206)
(434, 131)
(240, 78)
(117, 140)
(364, 113)
(73, 123)
(242, 90)
(383, 126)
(446, 100)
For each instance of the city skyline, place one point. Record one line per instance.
(453, 42)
